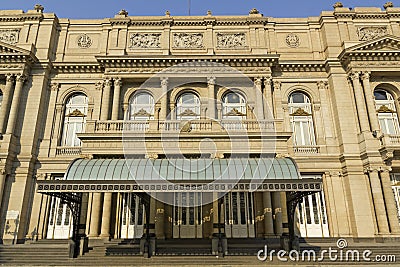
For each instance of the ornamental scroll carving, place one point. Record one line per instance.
(188, 40)
(144, 40)
(231, 40)
(9, 36)
(369, 33)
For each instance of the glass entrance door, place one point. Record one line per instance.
(60, 220)
(132, 224)
(311, 214)
(239, 215)
(187, 215)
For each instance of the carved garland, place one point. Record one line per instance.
(300, 112)
(9, 36)
(144, 40)
(369, 33)
(231, 40)
(188, 40)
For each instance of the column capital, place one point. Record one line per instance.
(211, 80)
(277, 85)
(258, 81)
(322, 85)
(267, 81)
(54, 86)
(99, 85)
(164, 81)
(365, 75)
(21, 78)
(10, 77)
(354, 76)
(107, 82)
(117, 81)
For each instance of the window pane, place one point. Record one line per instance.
(380, 95)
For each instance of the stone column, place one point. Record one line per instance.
(164, 99)
(211, 97)
(116, 104)
(268, 219)
(3, 177)
(278, 111)
(362, 111)
(268, 107)
(106, 216)
(7, 96)
(159, 221)
(390, 202)
(276, 204)
(95, 215)
(370, 99)
(380, 210)
(105, 109)
(325, 113)
(259, 98)
(12, 119)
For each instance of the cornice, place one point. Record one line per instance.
(21, 17)
(302, 66)
(73, 67)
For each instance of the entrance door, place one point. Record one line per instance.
(187, 215)
(311, 214)
(60, 221)
(132, 216)
(239, 215)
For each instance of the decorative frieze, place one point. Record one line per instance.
(144, 40)
(369, 33)
(9, 36)
(231, 40)
(292, 40)
(188, 40)
(84, 41)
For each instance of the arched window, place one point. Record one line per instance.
(141, 107)
(188, 107)
(301, 119)
(74, 119)
(234, 106)
(387, 114)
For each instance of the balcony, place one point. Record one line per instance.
(199, 126)
(68, 151)
(390, 143)
(306, 150)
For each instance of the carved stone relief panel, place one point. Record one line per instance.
(84, 41)
(231, 40)
(188, 40)
(144, 40)
(9, 36)
(292, 40)
(372, 32)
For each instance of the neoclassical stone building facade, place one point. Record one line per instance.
(324, 89)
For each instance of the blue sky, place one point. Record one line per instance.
(103, 8)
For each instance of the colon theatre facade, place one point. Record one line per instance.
(200, 127)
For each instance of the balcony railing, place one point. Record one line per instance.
(390, 140)
(68, 151)
(204, 125)
(306, 149)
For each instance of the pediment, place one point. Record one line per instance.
(9, 49)
(384, 43)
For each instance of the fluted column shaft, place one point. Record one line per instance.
(12, 118)
(268, 107)
(211, 97)
(362, 111)
(390, 202)
(268, 219)
(105, 109)
(380, 211)
(116, 97)
(278, 112)
(164, 99)
(277, 206)
(106, 216)
(7, 96)
(369, 97)
(259, 98)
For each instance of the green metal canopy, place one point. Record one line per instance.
(182, 169)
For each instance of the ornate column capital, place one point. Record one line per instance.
(117, 81)
(54, 86)
(211, 80)
(98, 85)
(277, 85)
(10, 77)
(164, 81)
(354, 76)
(267, 82)
(322, 85)
(107, 82)
(21, 78)
(365, 75)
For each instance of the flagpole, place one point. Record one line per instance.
(189, 7)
